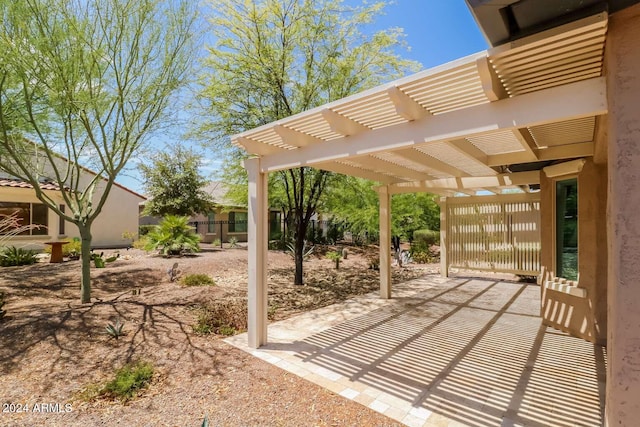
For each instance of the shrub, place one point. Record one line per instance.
(222, 316)
(426, 238)
(233, 242)
(197, 280)
(173, 236)
(129, 381)
(13, 256)
(217, 242)
(140, 243)
(423, 257)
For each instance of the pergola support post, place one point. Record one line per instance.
(258, 244)
(385, 242)
(444, 241)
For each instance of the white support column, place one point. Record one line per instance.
(444, 239)
(385, 242)
(258, 243)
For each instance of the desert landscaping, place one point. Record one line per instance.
(56, 353)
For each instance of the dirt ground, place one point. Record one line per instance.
(53, 347)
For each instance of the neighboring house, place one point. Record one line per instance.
(227, 219)
(120, 214)
(553, 104)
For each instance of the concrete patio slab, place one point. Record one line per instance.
(445, 352)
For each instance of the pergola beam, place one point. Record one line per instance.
(467, 183)
(342, 125)
(429, 161)
(405, 106)
(295, 138)
(571, 101)
(398, 170)
(356, 171)
(491, 83)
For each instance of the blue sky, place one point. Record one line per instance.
(436, 31)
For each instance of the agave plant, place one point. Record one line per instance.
(173, 236)
(115, 330)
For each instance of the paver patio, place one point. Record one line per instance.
(446, 352)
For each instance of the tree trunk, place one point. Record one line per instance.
(85, 284)
(299, 254)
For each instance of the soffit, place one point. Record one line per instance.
(555, 58)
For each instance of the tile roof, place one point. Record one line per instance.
(17, 183)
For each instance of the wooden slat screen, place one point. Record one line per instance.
(500, 234)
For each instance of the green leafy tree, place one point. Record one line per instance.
(357, 205)
(174, 184)
(276, 58)
(83, 84)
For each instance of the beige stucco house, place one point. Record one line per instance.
(548, 121)
(120, 214)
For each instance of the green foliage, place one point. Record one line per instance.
(88, 80)
(115, 330)
(174, 184)
(12, 256)
(129, 381)
(423, 256)
(173, 236)
(334, 256)
(414, 211)
(233, 242)
(198, 280)
(99, 261)
(222, 317)
(216, 242)
(426, 237)
(2, 303)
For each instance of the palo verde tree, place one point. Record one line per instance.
(275, 58)
(83, 84)
(174, 184)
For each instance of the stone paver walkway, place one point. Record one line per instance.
(446, 352)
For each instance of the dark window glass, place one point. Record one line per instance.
(238, 222)
(39, 217)
(62, 222)
(567, 229)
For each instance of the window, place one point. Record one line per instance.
(567, 229)
(28, 214)
(238, 222)
(211, 227)
(61, 222)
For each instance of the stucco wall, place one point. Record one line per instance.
(120, 214)
(582, 317)
(623, 85)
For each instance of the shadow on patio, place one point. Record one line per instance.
(458, 352)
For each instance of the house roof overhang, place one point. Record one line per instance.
(460, 127)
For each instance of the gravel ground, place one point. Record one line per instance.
(54, 348)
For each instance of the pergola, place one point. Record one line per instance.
(468, 125)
